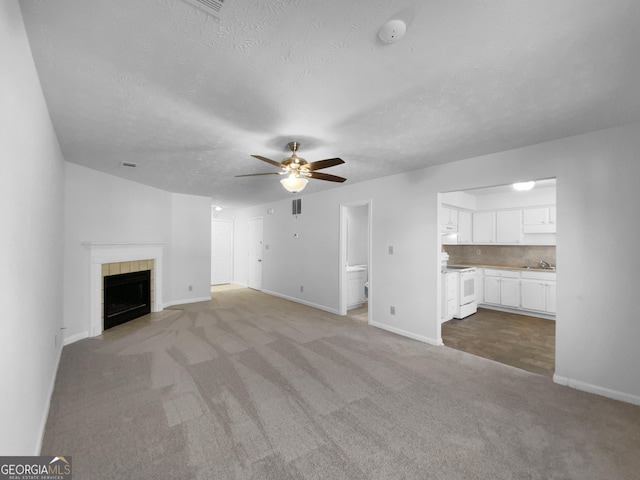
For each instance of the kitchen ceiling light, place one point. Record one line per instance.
(293, 183)
(524, 186)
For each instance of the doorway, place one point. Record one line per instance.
(355, 260)
(510, 237)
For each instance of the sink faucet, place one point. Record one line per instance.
(544, 264)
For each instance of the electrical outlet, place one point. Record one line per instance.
(190, 288)
(301, 288)
(390, 250)
(392, 310)
(478, 252)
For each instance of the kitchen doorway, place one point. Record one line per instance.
(509, 236)
(355, 260)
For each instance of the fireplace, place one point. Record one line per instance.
(116, 258)
(126, 296)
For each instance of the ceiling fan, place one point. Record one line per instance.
(298, 170)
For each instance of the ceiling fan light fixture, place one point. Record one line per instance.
(293, 183)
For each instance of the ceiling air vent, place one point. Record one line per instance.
(296, 206)
(212, 7)
(129, 164)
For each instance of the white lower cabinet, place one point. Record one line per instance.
(533, 292)
(534, 296)
(355, 288)
(539, 291)
(449, 295)
(510, 292)
(502, 287)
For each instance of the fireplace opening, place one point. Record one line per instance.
(126, 296)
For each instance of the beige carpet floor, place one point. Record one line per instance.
(250, 386)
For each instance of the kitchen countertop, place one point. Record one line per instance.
(504, 267)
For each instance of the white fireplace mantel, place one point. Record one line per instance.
(113, 252)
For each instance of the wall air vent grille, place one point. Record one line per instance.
(129, 164)
(296, 206)
(212, 7)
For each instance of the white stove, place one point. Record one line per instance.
(464, 279)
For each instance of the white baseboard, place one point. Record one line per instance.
(518, 311)
(52, 386)
(602, 391)
(405, 333)
(303, 302)
(183, 302)
(75, 338)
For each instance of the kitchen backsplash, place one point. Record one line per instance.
(504, 255)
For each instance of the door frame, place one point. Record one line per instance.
(342, 282)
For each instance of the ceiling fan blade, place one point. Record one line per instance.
(268, 160)
(257, 174)
(320, 164)
(326, 176)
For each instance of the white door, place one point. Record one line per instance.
(221, 252)
(254, 237)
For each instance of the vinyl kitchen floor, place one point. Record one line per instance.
(518, 340)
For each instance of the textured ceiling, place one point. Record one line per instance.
(189, 97)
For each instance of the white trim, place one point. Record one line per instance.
(75, 338)
(602, 391)
(303, 302)
(190, 300)
(52, 385)
(518, 311)
(101, 252)
(431, 341)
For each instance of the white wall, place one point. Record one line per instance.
(31, 201)
(190, 249)
(541, 196)
(104, 208)
(358, 235)
(597, 332)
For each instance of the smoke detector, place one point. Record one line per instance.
(212, 7)
(392, 31)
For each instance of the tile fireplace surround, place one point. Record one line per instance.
(117, 255)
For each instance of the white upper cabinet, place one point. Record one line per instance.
(484, 227)
(539, 220)
(465, 229)
(448, 220)
(509, 226)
